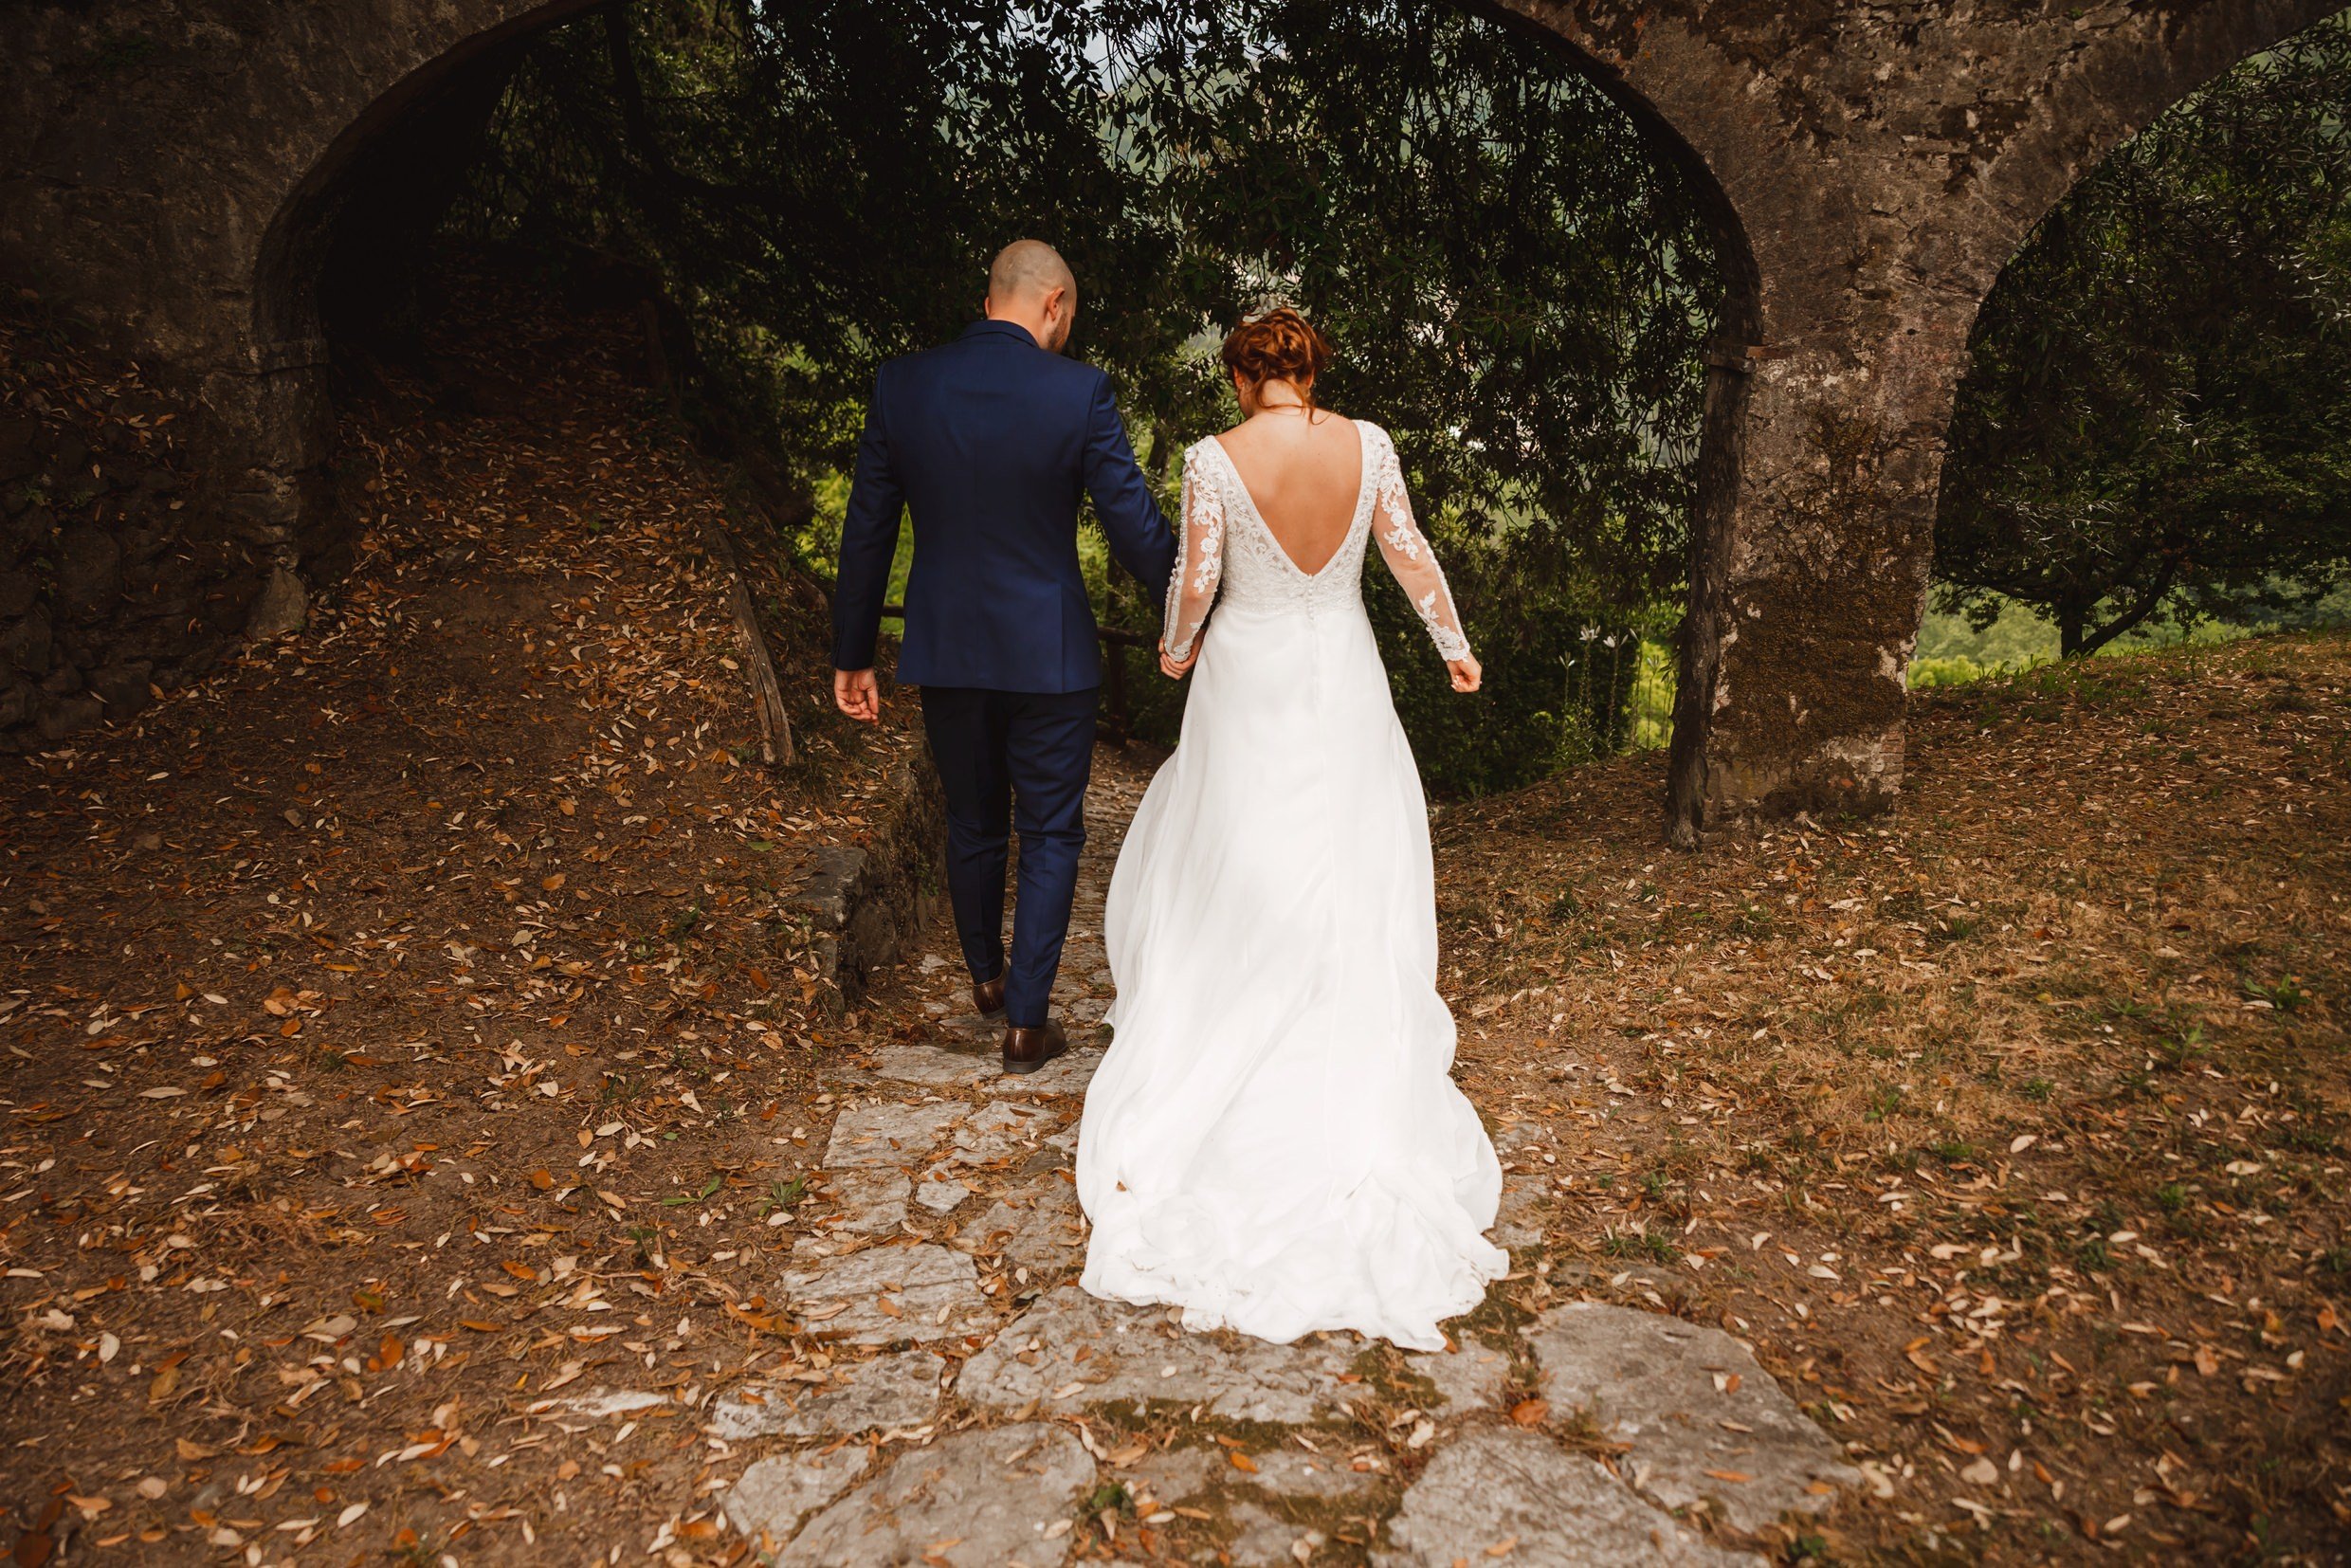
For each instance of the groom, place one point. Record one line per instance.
(986, 442)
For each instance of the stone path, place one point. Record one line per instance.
(973, 1406)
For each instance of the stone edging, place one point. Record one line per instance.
(868, 902)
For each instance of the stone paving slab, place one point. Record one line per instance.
(999, 1132)
(890, 1394)
(1469, 1376)
(942, 1197)
(1501, 1494)
(1037, 1226)
(933, 1134)
(888, 1293)
(1688, 1399)
(1260, 1541)
(974, 1063)
(1065, 1074)
(885, 1131)
(1176, 1475)
(974, 1499)
(868, 1201)
(1140, 1357)
(776, 1494)
(1519, 1220)
(931, 1066)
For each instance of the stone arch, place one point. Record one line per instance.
(153, 199)
(1885, 163)
(2120, 95)
(1876, 165)
(1671, 87)
(2120, 87)
(292, 249)
(374, 153)
(291, 350)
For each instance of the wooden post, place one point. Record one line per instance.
(767, 693)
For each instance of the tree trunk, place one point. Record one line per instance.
(2072, 617)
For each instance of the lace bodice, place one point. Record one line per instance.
(1230, 552)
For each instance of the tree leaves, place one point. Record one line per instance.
(1519, 288)
(2153, 422)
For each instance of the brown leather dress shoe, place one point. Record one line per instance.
(988, 997)
(1027, 1050)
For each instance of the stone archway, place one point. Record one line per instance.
(1877, 165)
(160, 157)
(1885, 162)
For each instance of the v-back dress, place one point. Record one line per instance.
(1273, 1140)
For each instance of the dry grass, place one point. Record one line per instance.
(408, 991)
(2010, 1129)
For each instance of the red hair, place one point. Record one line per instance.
(1281, 345)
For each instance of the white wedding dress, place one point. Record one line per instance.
(1273, 1141)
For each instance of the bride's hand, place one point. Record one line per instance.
(1466, 672)
(1174, 670)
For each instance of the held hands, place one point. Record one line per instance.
(1467, 673)
(856, 693)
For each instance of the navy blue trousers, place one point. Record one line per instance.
(1005, 759)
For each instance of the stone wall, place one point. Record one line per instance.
(869, 904)
(117, 579)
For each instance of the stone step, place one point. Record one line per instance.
(1137, 1357)
(1695, 1409)
(885, 1294)
(932, 1135)
(1499, 1492)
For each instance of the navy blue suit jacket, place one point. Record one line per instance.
(987, 443)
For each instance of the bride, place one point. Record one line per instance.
(1273, 1142)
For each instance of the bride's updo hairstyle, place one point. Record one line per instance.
(1281, 345)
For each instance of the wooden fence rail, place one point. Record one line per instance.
(1116, 715)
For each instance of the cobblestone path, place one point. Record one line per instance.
(971, 1406)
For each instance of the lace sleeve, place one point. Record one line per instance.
(1193, 587)
(1405, 550)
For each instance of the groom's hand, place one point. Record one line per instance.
(1176, 670)
(856, 693)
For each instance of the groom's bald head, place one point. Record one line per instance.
(1029, 268)
(1031, 285)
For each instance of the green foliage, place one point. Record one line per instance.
(1518, 287)
(2154, 423)
(1954, 651)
